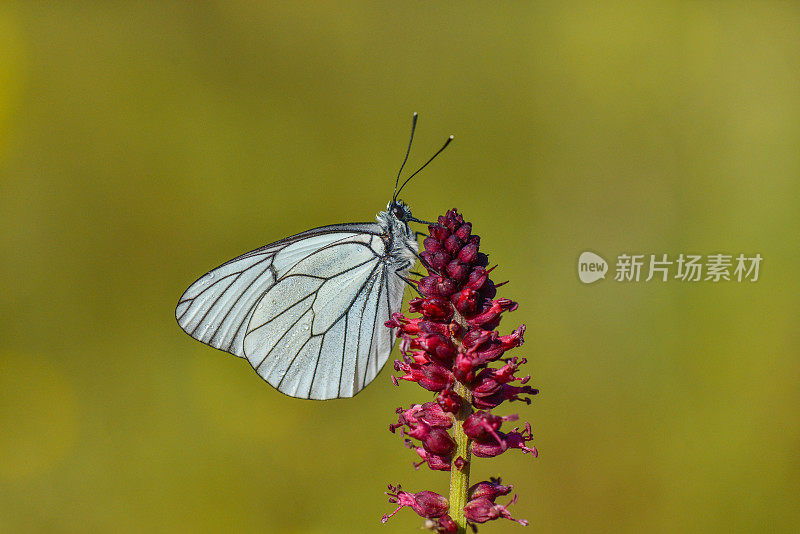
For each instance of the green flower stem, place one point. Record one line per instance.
(459, 478)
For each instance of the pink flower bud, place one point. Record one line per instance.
(489, 380)
(468, 253)
(439, 233)
(438, 347)
(425, 503)
(425, 415)
(438, 260)
(484, 425)
(466, 301)
(491, 313)
(458, 270)
(453, 244)
(431, 244)
(441, 525)
(489, 290)
(446, 286)
(463, 232)
(435, 462)
(449, 400)
(490, 489)
(438, 441)
(491, 446)
(502, 394)
(481, 510)
(433, 308)
(477, 278)
(435, 377)
(427, 285)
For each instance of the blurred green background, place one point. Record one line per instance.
(142, 143)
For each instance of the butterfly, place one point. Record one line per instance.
(309, 311)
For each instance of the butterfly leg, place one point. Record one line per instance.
(425, 263)
(410, 283)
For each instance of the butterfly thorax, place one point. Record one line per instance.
(401, 242)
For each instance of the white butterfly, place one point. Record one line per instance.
(309, 311)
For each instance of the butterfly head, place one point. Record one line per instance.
(399, 210)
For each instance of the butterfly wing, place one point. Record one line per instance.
(308, 311)
(216, 308)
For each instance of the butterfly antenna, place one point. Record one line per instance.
(426, 164)
(413, 127)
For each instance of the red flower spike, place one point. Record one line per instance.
(455, 346)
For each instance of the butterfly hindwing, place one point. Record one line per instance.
(331, 340)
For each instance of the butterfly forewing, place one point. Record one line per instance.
(217, 307)
(308, 312)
